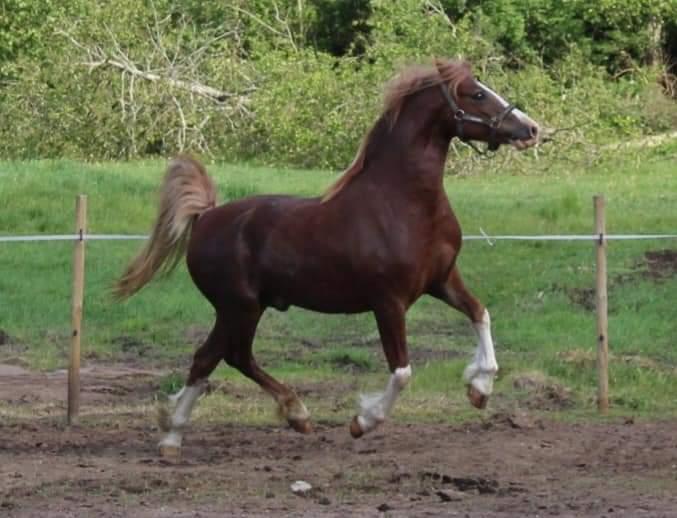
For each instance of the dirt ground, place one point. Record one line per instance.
(505, 465)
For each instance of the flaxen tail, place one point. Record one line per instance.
(186, 193)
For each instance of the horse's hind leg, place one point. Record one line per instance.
(480, 373)
(205, 360)
(238, 354)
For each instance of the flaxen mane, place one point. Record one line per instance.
(411, 80)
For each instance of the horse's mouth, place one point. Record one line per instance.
(521, 145)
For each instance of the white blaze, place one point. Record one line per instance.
(522, 117)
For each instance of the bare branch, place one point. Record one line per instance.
(437, 8)
(285, 24)
(161, 89)
(288, 37)
(181, 136)
(125, 65)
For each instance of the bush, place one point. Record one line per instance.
(303, 77)
(311, 111)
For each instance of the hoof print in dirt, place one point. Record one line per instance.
(450, 496)
(518, 420)
(170, 452)
(480, 485)
(463, 484)
(398, 477)
(435, 477)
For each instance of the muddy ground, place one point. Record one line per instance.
(504, 465)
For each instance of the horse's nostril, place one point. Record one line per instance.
(533, 130)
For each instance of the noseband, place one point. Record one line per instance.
(460, 116)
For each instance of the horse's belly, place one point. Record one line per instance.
(320, 295)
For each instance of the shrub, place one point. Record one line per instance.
(303, 77)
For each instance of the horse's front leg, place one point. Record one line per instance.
(374, 408)
(480, 373)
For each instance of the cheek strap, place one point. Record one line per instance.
(461, 117)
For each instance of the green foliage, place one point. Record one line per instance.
(73, 104)
(24, 31)
(341, 28)
(612, 33)
(312, 111)
(310, 72)
(171, 383)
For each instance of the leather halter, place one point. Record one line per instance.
(461, 117)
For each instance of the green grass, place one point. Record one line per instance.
(531, 288)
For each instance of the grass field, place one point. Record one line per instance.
(539, 294)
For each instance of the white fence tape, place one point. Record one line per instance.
(569, 237)
(484, 237)
(74, 237)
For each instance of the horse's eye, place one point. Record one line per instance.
(478, 96)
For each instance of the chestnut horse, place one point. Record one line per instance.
(383, 235)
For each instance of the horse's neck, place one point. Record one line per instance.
(413, 156)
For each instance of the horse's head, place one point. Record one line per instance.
(478, 113)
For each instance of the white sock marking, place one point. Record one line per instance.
(375, 407)
(481, 371)
(174, 398)
(185, 401)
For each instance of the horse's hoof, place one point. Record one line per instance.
(169, 451)
(477, 399)
(301, 426)
(355, 428)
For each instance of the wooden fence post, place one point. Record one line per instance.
(602, 308)
(76, 312)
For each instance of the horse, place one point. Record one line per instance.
(380, 237)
